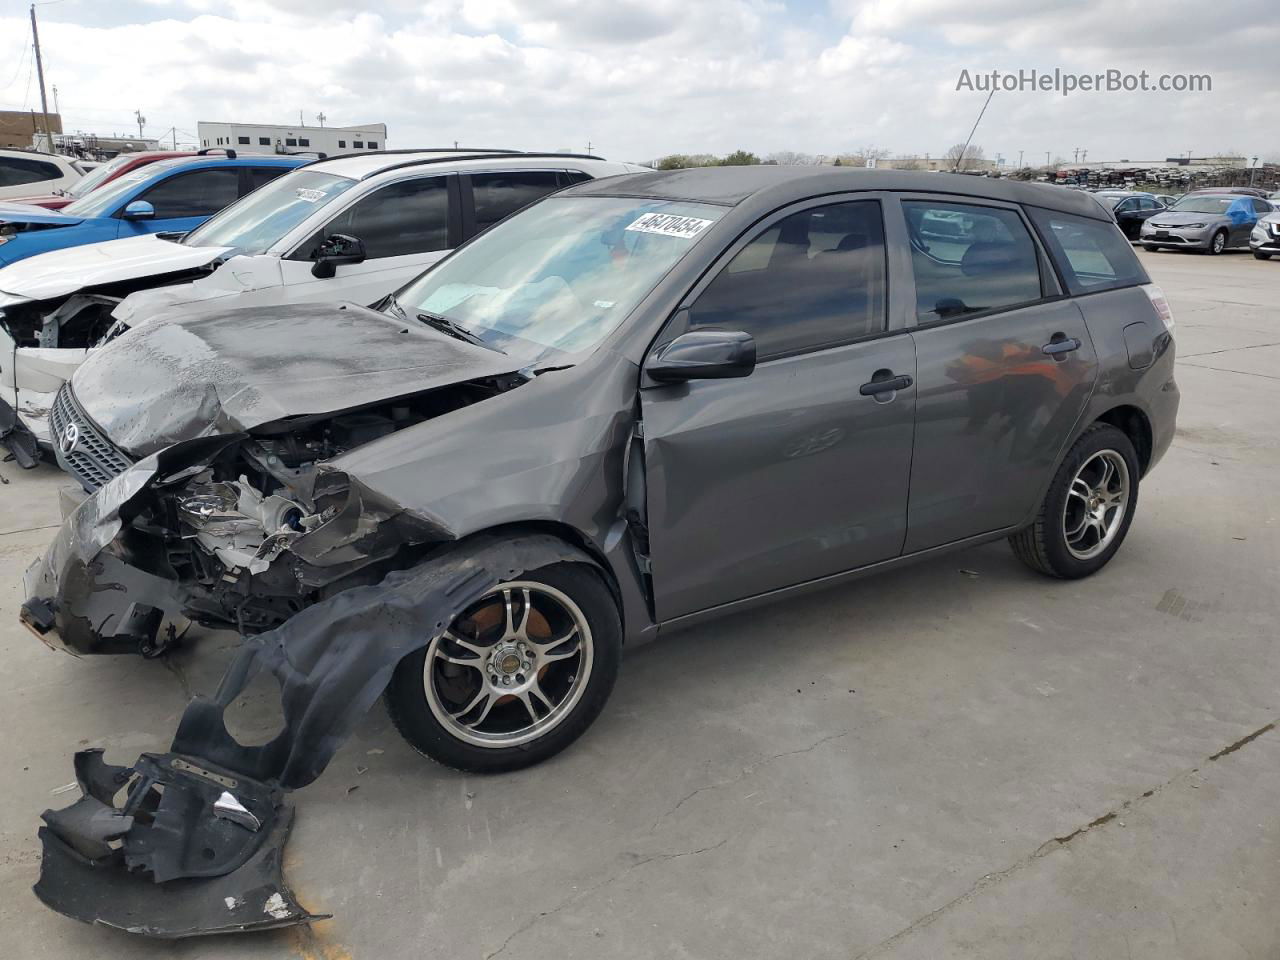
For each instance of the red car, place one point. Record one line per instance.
(96, 177)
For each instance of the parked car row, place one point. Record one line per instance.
(626, 402)
(1210, 220)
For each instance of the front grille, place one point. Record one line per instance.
(92, 459)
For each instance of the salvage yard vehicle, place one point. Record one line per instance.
(98, 176)
(1210, 222)
(24, 172)
(352, 228)
(638, 404)
(1264, 240)
(1131, 209)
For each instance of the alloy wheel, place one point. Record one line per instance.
(1097, 501)
(510, 667)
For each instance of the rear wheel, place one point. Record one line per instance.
(1087, 511)
(516, 677)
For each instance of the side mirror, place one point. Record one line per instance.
(704, 355)
(334, 250)
(139, 210)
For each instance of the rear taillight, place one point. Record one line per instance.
(1156, 296)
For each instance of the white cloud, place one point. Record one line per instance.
(639, 78)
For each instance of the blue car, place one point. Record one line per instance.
(167, 196)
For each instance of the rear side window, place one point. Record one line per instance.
(1092, 254)
(259, 176)
(969, 259)
(15, 171)
(199, 194)
(815, 279)
(498, 195)
(403, 218)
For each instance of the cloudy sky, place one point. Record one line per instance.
(641, 78)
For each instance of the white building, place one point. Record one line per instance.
(275, 138)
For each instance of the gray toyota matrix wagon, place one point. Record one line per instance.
(639, 403)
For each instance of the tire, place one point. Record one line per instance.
(1044, 545)
(1217, 243)
(1259, 255)
(574, 592)
(1151, 247)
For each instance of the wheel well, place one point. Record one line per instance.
(1136, 427)
(563, 531)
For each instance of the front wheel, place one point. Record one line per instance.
(1218, 243)
(1259, 255)
(1151, 247)
(516, 677)
(1088, 509)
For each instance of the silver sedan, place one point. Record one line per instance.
(1206, 222)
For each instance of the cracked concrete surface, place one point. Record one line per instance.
(929, 764)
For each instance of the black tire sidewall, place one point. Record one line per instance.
(1093, 441)
(407, 703)
(1213, 243)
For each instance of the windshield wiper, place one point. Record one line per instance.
(394, 304)
(446, 325)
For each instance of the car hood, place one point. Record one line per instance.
(1177, 218)
(50, 201)
(31, 213)
(189, 375)
(60, 273)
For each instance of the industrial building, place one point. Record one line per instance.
(276, 138)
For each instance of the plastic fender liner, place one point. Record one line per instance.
(17, 438)
(131, 867)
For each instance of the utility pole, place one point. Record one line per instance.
(44, 103)
(588, 146)
(1046, 158)
(1019, 159)
(141, 121)
(301, 122)
(321, 117)
(1084, 155)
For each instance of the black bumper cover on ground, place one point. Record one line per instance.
(165, 863)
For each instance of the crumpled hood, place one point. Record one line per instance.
(190, 375)
(60, 273)
(30, 213)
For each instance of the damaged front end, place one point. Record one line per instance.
(190, 842)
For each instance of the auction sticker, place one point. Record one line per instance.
(311, 196)
(669, 225)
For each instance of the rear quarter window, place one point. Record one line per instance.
(1092, 254)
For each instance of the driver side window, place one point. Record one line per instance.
(812, 280)
(408, 217)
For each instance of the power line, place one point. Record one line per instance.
(26, 52)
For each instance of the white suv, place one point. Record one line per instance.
(348, 228)
(24, 172)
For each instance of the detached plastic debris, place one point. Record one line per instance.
(17, 439)
(190, 842)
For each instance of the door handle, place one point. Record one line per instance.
(887, 385)
(1060, 344)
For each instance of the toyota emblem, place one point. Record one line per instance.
(70, 437)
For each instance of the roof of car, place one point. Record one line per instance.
(246, 159)
(778, 184)
(361, 165)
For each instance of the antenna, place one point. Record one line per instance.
(965, 148)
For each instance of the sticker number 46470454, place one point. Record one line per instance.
(670, 226)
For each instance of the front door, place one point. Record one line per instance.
(1002, 373)
(799, 470)
(185, 200)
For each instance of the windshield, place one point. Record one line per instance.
(254, 223)
(1204, 204)
(98, 176)
(560, 276)
(104, 201)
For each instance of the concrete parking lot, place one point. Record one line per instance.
(959, 759)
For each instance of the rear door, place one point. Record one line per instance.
(492, 196)
(406, 226)
(185, 200)
(1004, 368)
(795, 472)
